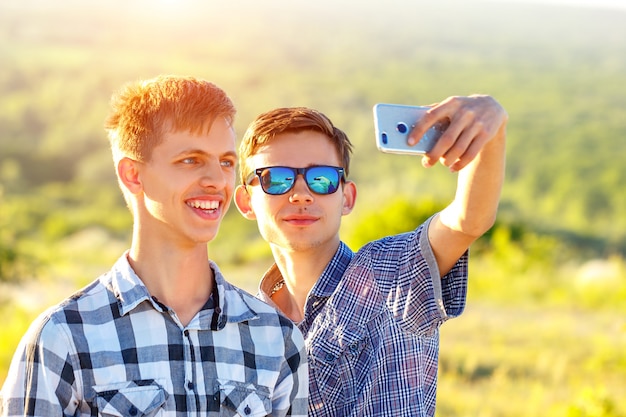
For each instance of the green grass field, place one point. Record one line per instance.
(503, 361)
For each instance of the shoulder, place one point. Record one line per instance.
(391, 247)
(395, 260)
(50, 338)
(80, 303)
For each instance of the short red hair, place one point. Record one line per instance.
(143, 111)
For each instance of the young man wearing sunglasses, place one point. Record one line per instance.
(370, 319)
(163, 333)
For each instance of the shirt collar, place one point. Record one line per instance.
(270, 279)
(233, 305)
(130, 291)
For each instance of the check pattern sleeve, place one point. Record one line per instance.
(44, 374)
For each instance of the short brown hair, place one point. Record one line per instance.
(291, 119)
(141, 112)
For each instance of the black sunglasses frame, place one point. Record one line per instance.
(297, 171)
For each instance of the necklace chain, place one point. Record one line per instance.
(280, 284)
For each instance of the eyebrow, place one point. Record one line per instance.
(197, 151)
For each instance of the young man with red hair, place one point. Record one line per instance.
(163, 333)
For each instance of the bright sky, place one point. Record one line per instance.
(610, 4)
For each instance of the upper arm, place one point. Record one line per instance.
(448, 245)
(41, 378)
(291, 395)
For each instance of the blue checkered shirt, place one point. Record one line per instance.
(371, 327)
(113, 350)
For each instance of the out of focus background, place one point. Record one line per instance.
(544, 331)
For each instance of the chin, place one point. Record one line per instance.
(204, 238)
(302, 245)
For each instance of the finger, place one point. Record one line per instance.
(447, 141)
(425, 122)
(473, 130)
(476, 144)
(467, 157)
(437, 113)
(458, 148)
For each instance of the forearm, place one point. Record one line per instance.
(474, 208)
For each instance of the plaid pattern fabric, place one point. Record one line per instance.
(111, 349)
(371, 327)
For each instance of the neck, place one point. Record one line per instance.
(179, 278)
(300, 271)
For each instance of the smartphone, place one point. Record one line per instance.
(394, 122)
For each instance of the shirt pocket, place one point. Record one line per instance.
(338, 362)
(143, 398)
(243, 399)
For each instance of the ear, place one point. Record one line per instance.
(349, 197)
(242, 201)
(128, 174)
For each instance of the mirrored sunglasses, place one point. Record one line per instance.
(320, 179)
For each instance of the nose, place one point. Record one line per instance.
(212, 176)
(300, 193)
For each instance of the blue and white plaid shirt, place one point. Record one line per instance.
(371, 327)
(112, 349)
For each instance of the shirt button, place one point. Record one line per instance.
(329, 357)
(190, 385)
(132, 410)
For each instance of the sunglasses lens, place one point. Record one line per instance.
(277, 180)
(319, 179)
(322, 180)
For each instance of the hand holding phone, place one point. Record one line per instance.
(394, 122)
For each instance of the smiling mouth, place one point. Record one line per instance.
(204, 205)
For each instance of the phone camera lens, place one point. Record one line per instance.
(384, 138)
(402, 127)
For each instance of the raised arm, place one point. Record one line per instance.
(473, 145)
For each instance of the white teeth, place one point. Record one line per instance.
(204, 205)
